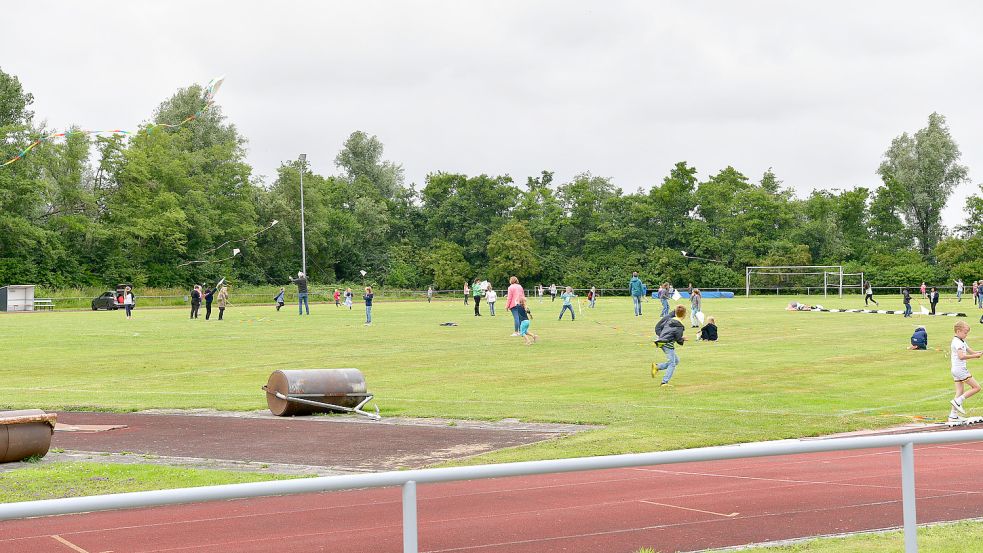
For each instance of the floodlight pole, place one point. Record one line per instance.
(303, 242)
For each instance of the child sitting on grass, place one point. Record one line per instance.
(919, 340)
(709, 331)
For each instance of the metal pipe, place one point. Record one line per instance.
(409, 518)
(908, 497)
(450, 474)
(303, 243)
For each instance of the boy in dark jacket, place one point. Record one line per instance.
(919, 340)
(669, 332)
(709, 331)
(906, 297)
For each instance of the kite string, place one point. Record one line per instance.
(209, 98)
(254, 235)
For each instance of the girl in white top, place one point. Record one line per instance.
(128, 302)
(491, 297)
(960, 352)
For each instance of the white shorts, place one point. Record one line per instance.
(960, 374)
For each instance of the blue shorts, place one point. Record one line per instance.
(524, 327)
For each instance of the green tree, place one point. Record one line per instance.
(447, 264)
(361, 160)
(921, 172)
(511, 251)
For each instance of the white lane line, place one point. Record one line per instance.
(688, 509)
(63, 541)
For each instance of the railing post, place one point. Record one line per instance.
(409, 517)
(908, 497)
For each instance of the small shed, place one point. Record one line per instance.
(19, 297)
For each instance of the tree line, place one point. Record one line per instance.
(99, 210)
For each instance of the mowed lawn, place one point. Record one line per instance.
(773, 374)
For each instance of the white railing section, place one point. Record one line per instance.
(410, 478)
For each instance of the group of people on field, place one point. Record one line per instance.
(671, 328)
(207, 295)
(303, 306)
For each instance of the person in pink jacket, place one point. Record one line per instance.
(515, 297)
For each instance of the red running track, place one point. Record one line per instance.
(669, 508)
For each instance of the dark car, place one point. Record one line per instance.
(106, 301)
(111, 300)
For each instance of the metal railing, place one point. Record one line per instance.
(409, 479)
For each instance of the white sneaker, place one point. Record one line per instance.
(515, 334)
(958, 405)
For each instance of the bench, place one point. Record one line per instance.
(41, 304)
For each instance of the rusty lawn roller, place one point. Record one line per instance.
(309, 391)
(25, 433)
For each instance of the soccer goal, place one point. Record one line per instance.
(802, 276)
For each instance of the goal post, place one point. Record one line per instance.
(831, 274)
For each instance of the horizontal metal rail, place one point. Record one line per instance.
(410, 478)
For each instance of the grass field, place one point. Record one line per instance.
(774, 374)
(936, 538)
(70, 479)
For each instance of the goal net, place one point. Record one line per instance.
(801, 279)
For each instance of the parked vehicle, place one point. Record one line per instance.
(110, 300)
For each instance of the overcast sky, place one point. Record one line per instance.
(621, 89)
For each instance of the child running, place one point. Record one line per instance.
(869, 294)
(669, 332)
(337, 298)
(567, 296)
(278, 299)
(525, 318)
(348, 298)
(960, 352)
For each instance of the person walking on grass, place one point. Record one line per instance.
(696, 305)
(869, 294)
(301, 282)
(430, 296)
(337, 297)
(959, 290)
(906, 297)
(665, 292)
(467, 292)
(513, 300)
(933, 299)
(348, 298)
(552, 292)
(128, 302)
(368, 305)
(669, 332)
(476, 293)
(525, 316)
(209, 296)
(491, 297)
(636, 289)
(567, 297)
(924, 295)
(195, 301)
(960, 352)
(591, 297)
(278, 298)
(223, 302)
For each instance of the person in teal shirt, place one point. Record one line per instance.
(566, 303)
(637, 290)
